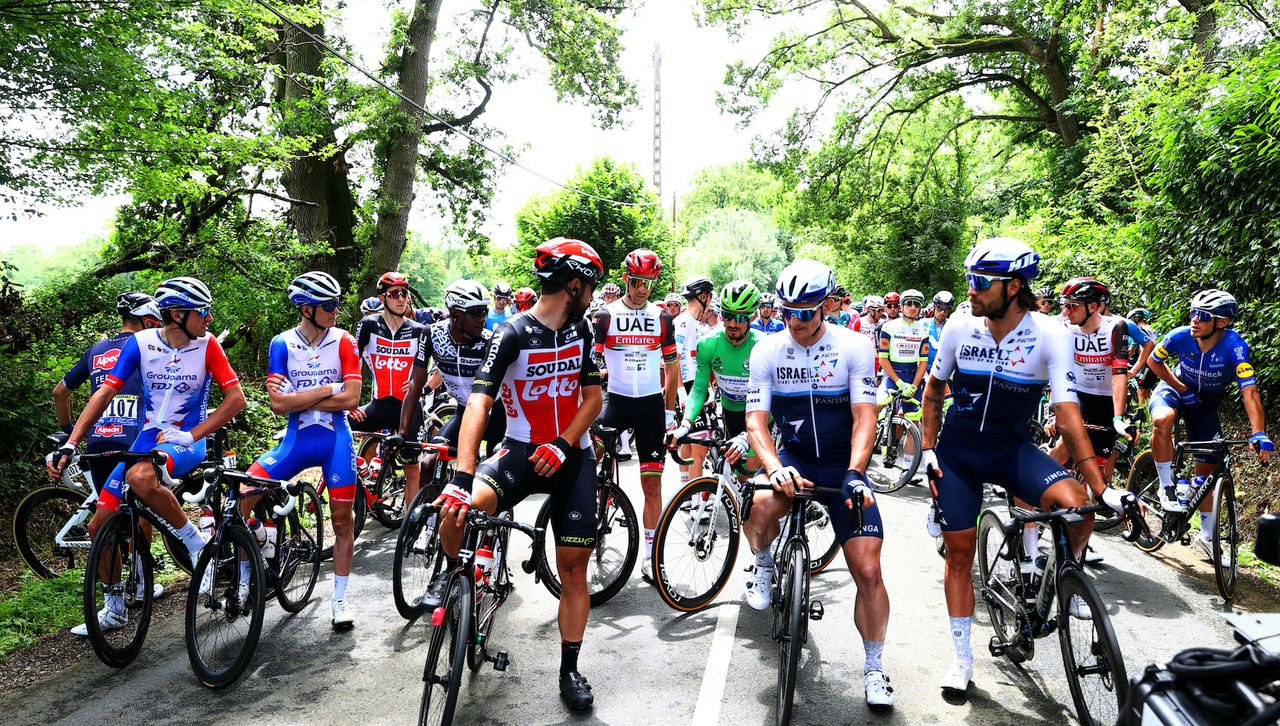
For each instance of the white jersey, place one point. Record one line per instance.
(688, 330)
(1098, 354)
(635, 344)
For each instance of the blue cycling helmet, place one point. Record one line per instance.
(371, 305)
(805, 281)
(314, 288)
(1219, 303)
(183, 293)
(1003, 256)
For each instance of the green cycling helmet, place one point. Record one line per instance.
(740, 296)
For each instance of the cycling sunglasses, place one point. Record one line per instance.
(804, 315)
(645, 282)
(479, 313)
(1204, 315)
(981, 282)
(203, 312)
(330, 306)
(397, 293)
(736, 317)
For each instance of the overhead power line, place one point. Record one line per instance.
(496, 152)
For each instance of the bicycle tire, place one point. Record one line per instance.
(884, 480)
(609, 567)
(39, 517)
(113, 547)
(1095, 672)
(1143, 484)
(299, 547)
(999, 575)
(795, 592)
(412, 566)
(388, 496)
(488, 598)
(820, 535)
(692, 541)
(222, 605)
(453, 631)
(1225, 538)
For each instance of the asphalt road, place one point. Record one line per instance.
(647, 663)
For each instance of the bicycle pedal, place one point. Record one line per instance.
(501, 661)
(996, 647)
(816, 610)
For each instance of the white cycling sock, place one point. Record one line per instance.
(1164, 469)
(875, 655)
(1206, 526)
(1031, 541)
(244, 572)
(116, 603)
(765, 559)
(340, 587)
(191, 537)
(960, 630)
(648, 543)
(684, 477)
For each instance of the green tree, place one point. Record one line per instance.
(731, 244)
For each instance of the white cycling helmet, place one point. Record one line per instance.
(464, 294)
(874, 301)
(1218, 302)
(313, 288)
(912, 294)
(183, 293)
(501, 288)
(805, 281)
(944, 297)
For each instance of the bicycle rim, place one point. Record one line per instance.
(795, 593)
(999, 576)
(222, 629)
(1090, 653)
(821, 537)
(695, 545)
(119, 569)
(1143, 483)
(300, 541)
(442, 674)
(36, 523)
(1225, 538)
(416, 547)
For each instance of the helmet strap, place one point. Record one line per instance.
(183, 325)
(312, 317)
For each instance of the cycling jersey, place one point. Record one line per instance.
(118, 426)
(997, 386)
(731, 365)
(904, 343)
(303, 366)
(934, 329)
(840, 317)
(456, 362)
(770, 326)
(635, 344)
(810, 390)
(870, 328)
(389, 355)
(1134, 332)
(1098, 355)
(688, 331)
(175, 381)
(1206, 372)
(495, 318)
(536, 373)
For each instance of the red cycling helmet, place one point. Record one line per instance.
(391, 279)
(643, 263)
(562, 259)
(892, 297)
(525, 298)
(1086, 290)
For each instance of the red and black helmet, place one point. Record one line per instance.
(892, 297)
(643, 263)
(391, 279)
(562, 259)
(1085, 290)
(525, 298)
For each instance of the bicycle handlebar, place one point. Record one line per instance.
(674, 453)
(158, 459)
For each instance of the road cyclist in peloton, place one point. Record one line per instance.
(1194, 364)
(635, 340)
(998, 361)
(502, 307)
(524, 299)
(765, 321)
(904, 354)
(690, 327)
(313, 376)
(539, 365)
(817, 381)
(175, 364)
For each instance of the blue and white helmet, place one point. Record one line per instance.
(314, 288)
(805, 281)
(1216, 302)
(370, 305)
(1003, 256)
(184, 293)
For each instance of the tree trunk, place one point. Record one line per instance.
(320, 179)
(395, 199)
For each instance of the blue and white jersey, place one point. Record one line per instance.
(997, 386)
(771, 326)
(810, 390)
(1206, 372)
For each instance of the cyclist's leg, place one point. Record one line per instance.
(496, 481)
(340, 477)
(1164, 408)
(1033, 476)
(573, 522)
(959, 497)
(647, 418)
(1202, 424)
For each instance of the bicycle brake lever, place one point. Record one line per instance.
(210, 476)
(282, 510)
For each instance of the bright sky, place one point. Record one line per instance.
(557, 138)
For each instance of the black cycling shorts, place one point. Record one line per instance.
(735, 422)
(1147, 378)
(572, 488)
(494, 430)
(384, 413)
(1099, 411)
(644, 415)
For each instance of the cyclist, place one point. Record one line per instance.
(636, 342)
(501, 300)
(892, 307)
(388, 343)
(870, 323)
(539, 364)
(1140, 354)
(370, 305)
(673, 303)
(690, 327)
(118, 426)
(943, 302)
(726, 354)
(765, 322)
(1207, 354)
(457, 346)
(998, 361)
(817, 382)
(175, 364)
(525, 298)
(833, 308)
(611, 292)
(1044, 300)
(904, 355)
(313, 375)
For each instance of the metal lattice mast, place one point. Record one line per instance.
(657, 118)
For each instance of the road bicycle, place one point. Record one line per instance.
(617, 528)
(225, 605)
(1020, 601)
(417, 558)
(895, 455)
(1163, 526)
(698, 535)
(478, 584)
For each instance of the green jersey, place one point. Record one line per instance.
(730, 363)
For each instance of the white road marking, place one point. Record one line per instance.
(711, 694)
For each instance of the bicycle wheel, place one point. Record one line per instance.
(222, 625)
(821, 537)
(118, 575)
(895, 461)
(695, 544)
(1090, 653)
(795, 614)
(40, 516)
(617, 547)
(1225, 538)
(415, 559)
(1000, 579)
(388, 496)
(442, 674)
(1144, 484)
(299, 544)
(489, 597)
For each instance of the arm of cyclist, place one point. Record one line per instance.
(92, 412)
(784, 479)
(1143, 357)
(864, 434)
(233, 402)
(546, 463)
(62, 406)
(1257, 421)
(697, 398)
(671, 367)
(283, 402)
(412, 398)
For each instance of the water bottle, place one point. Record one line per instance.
(1196, 485)
(269, 547)
(362, 467)
(375, 466)
(1183, 490)
(259, 532)
(205, 525)
(484, 563)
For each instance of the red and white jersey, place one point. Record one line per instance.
(1098, 354)
(175, 381)
(536, 374)
(333, 359)
(635, 343)
(389, 355)
(688, 331)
